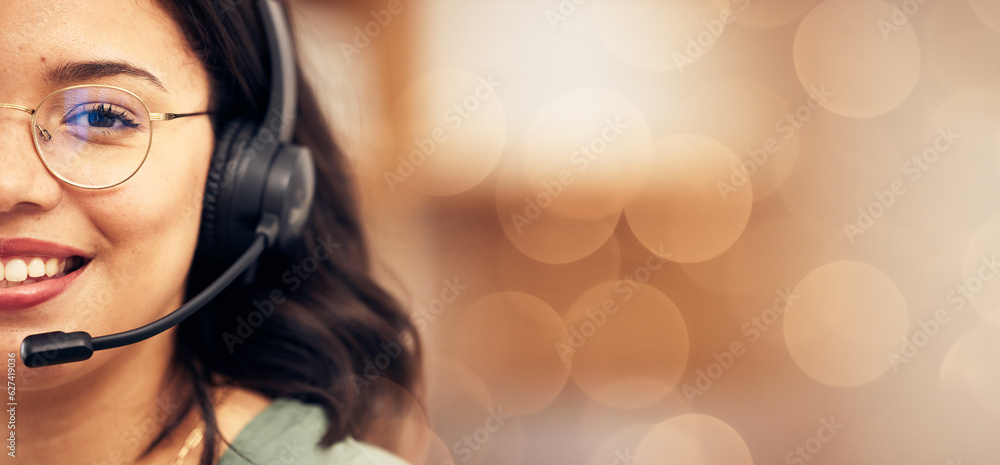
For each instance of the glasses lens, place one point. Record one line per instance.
(93, 136)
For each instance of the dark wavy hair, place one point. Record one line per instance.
(329, 324)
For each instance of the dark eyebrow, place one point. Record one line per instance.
(77, 72)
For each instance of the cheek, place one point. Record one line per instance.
(151, 222)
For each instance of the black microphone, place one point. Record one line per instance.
(55, 348)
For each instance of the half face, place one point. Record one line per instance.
(105, 260)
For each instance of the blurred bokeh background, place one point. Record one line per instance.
(683, 231)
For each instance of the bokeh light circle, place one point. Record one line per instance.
(988, 11)
(750, 118)
(691, 208)
(980, 283)
(847, 319)
(509, 339)
(628, 343)
(694, 439)
(537, 231)
(449, 115)
(969, 371)
(844, 47)
(589, 150)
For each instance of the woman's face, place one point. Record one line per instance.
(137, 239)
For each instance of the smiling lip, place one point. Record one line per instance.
(27, 296)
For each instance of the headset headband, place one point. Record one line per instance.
(281, 104)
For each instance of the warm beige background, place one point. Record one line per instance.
(777, 244)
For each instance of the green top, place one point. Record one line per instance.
(287, 433)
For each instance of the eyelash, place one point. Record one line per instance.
(106, 110)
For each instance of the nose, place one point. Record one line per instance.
(25, 184)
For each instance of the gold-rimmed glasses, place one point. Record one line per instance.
(93, 136)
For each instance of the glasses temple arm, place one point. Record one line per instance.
(171, 116)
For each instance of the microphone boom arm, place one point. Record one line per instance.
(55, 348)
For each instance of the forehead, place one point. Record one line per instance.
(38, 36)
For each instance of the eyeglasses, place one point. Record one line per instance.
(93, 136)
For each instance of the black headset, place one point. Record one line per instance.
(256, 171)
(258, 196)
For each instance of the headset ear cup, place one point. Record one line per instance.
(219, 185)
(288, 194)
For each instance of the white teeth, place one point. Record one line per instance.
(36, 268)
(30, 270)
(16, 270)
(52, 267)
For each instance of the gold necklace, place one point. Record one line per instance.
(192, 441)
(198, 433)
